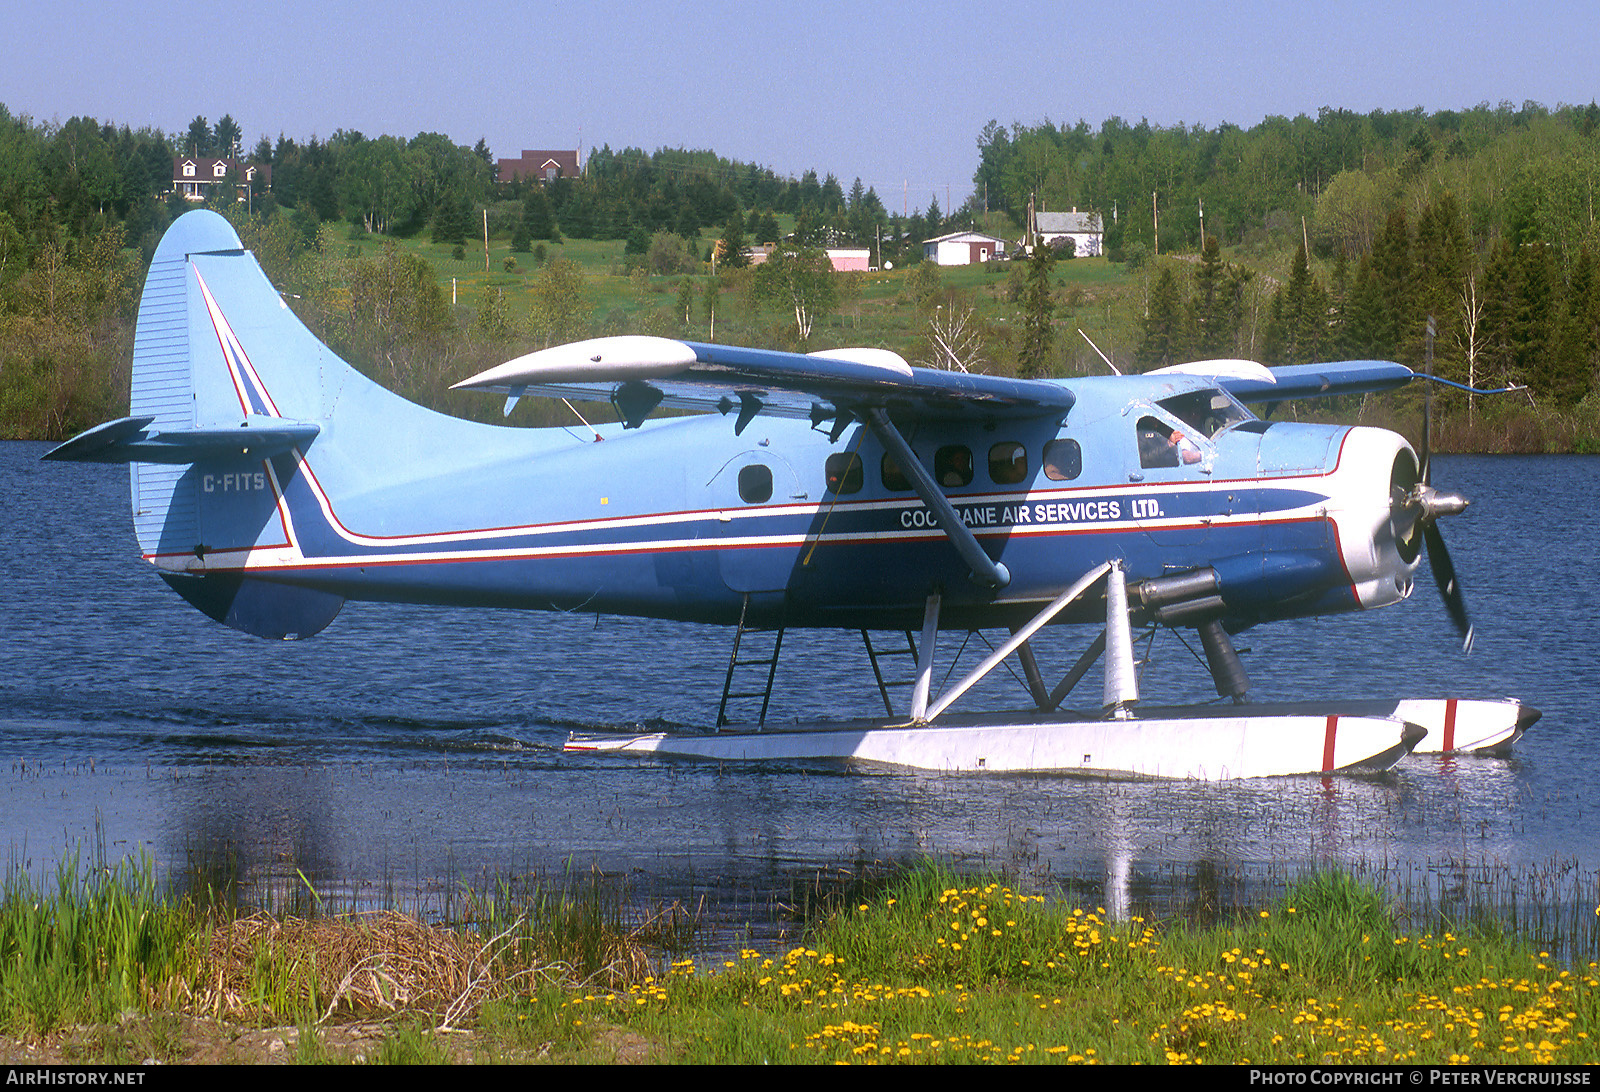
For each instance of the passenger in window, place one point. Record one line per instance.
(843, 473)
(893, 477)
(1063, 460)
(1008, 463)
(955, 466)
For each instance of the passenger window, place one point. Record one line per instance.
(1063, 460)
(952, 466)
(844, 473)
(893, 477)
(755, 483)
(1008, 463)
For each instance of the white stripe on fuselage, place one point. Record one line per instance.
(380, 551)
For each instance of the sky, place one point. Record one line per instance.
(894, 94)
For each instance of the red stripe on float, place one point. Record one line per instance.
(1450, 724)
(1329, 734)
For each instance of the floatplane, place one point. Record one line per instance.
(844, 489)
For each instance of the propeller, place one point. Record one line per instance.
(1416, 506)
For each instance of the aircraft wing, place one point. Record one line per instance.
(1310, 380)
(637, 373)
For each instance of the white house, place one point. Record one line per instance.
(1084, 229)
(194, 176)
(963, 248)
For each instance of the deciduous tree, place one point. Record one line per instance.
(800, 280)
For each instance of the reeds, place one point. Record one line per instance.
(96, 941)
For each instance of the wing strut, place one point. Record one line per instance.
(985, 570)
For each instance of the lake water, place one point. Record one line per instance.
(407, 750)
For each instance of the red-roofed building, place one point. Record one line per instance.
(540, 166)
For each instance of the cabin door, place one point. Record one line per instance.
(759, 528)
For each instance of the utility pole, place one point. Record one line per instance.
(1155, 214)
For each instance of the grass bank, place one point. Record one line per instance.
(930, 968)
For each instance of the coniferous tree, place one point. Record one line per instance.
(1165, 340)
(1442, 261)
(199, 139)
(225, 138)
(1298, 327)
(1399, 336)
(1362, 315)
(536, 213)
(1582, 340)
(1038, 313)
(1534, 342)
(1215, 314)
(450, 221)
(733, 255)
(1499, 290)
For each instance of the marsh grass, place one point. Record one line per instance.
(915, 964)
(948, 968)
(93, 942)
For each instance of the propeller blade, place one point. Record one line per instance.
(1425, 458)
(1405, 513)
(1444, 574)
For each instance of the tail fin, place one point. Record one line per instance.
(206, 428)
(245, 432)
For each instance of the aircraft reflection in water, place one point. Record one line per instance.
(271, 482)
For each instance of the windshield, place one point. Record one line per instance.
(1208, 412)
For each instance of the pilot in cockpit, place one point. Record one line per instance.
(1161, 445)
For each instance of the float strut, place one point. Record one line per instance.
(1122, 685)
(1030, 672)
(1055, 607)
(930, 637)
(1096, 648)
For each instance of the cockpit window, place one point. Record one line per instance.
(1208, 412)
(1160, 444)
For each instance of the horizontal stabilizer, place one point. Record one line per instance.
(131, 440)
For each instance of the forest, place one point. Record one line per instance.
(1295, 240)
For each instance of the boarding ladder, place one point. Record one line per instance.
(876, 654)
(757, 661)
